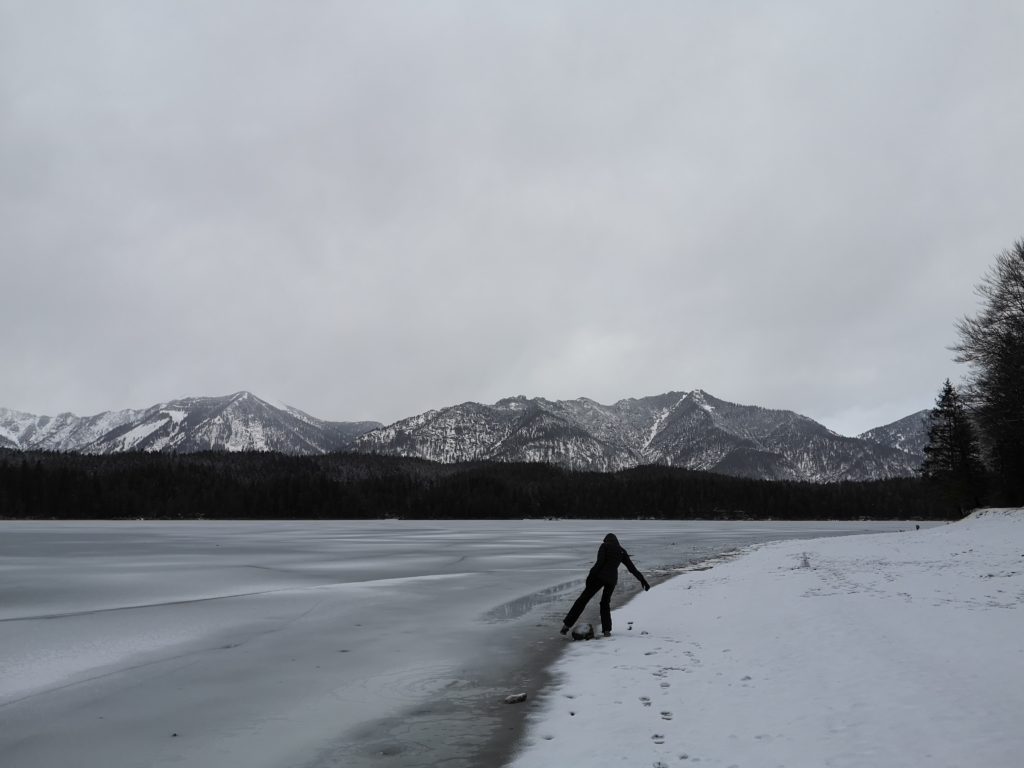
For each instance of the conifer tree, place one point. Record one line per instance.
(952, 458)
(992, 343)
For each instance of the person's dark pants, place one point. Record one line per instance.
(592, 587)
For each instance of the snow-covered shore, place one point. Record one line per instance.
(898, 649)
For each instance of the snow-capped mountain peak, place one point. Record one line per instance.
(237, 422)
(692, 429)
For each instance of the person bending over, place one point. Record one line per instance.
(603, 575)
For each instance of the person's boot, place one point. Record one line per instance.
(607, 633)
(564, 630)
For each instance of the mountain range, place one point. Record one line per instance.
(683, 429)
(238, 422)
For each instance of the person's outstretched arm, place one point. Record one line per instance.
(632, 569)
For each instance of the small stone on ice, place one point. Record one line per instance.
(515, 698)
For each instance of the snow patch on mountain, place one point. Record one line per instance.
(657, 424)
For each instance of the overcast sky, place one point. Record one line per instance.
(370, 209)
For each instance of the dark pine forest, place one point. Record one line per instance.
(252, 486)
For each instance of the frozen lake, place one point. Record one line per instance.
(309, 643)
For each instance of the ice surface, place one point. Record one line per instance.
(291, 643)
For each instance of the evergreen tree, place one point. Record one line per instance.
(952, 458)
(992, 343)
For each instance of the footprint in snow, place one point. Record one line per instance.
(658, 738)
(666, 715)
(666, 685)
(646, 701)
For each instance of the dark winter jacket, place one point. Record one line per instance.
(606, 569)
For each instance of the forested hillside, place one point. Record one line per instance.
(266, 485)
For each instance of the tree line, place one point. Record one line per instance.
(360, 486)
(975, 451)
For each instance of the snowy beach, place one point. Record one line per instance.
(898, 649)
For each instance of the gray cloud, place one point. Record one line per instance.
(370, 209)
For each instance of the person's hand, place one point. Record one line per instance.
(644, 584)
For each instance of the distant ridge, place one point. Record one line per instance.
(681, 429)
(693, 430)
(238, 422)
(909, 434)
